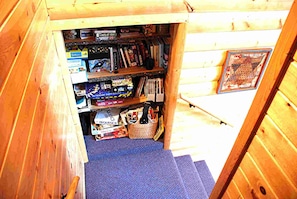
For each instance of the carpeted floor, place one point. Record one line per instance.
(124, 168)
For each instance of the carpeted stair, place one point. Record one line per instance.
(131, 169)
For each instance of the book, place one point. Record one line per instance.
(123, 57)
(166, 52)
(140, 87)
(111, 69)
(78, 70)
(156, 52)
(107, 116)
(127, 56)
(115, 59)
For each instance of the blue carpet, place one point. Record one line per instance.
(143, 175)
(118, 147)
(130, 169)
(205, 176)
(191, 178)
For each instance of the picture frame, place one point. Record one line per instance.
(243, 69)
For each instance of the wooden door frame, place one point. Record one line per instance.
(281, 57)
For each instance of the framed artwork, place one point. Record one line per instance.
(242, 69)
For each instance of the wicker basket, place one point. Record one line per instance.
(143, 131)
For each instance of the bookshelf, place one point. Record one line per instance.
(86, 48)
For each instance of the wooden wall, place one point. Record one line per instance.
(262, 163)
(212, 30)
(39, 151)
(270, 162)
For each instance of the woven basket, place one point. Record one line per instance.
(143, 131)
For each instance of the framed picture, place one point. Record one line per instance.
(242, 69)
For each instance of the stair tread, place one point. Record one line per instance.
(191, 178)
(205, 175)
(144, 175)
(117, 147)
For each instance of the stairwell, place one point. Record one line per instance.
(126, 168)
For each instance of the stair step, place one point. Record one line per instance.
(205, 176)
(151, 174)
(191, 178)
(118, 147)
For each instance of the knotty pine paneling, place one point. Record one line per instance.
(190, 76)
(6, 7)
(236, 21)
(277, 144)
(281, 108)
(289, 84)
(203, 59)
(13, 92)
(231, 40)
(13, 33)
(36, 119)
(273, 173)
(255, 178)
(198, 89)
(243, 184)
(244, 5)
(233, 191)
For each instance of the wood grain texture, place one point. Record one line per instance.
(13, 34)
(280, 148)
(198, 89)
(264, 96)
(14, 91)
(231, 40)
(233, 191)
(203, 59)
(289, 84)
(60, 48)
(244, 5)
(124, 13)
(282, 108)
(171, 84)
(6, 7)
(197, 75)
(236, 21)
(256, 178)
(281, 185)
(243, 184)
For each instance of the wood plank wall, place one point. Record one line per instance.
(268, 168)
(39, 152)
(212, 30)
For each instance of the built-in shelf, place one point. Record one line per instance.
(126, 102)
(122, 72)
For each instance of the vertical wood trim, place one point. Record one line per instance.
(172, 79)
(283, 53)
(60, 48)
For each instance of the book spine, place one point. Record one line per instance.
(127, 56)
(115, 59)
(123, 57)
(111, 69)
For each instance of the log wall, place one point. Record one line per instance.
(39, 151)
(262, 161)
(212, 30)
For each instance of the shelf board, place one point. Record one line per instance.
(122, 72)
(117, 40)
(127, 102)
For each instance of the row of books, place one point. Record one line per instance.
(111, 58)
(152, 88)
(100, 34)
